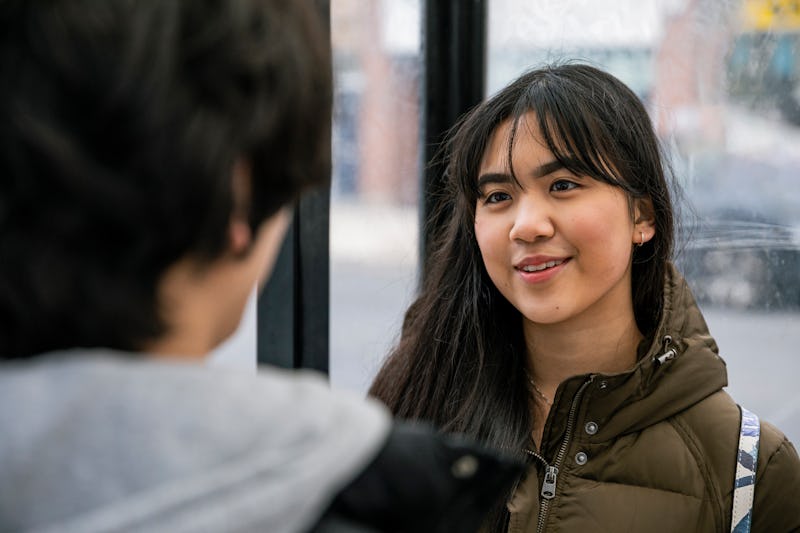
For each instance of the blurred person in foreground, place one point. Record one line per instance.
(150, 153)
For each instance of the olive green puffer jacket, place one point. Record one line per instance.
(654, 449)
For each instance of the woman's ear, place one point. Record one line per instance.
(644, 221)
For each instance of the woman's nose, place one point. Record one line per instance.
(532, 221)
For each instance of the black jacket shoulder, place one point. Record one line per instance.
(422, 481)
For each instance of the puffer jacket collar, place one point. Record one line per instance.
(680, 368)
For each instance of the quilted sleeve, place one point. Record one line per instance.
(777, 492)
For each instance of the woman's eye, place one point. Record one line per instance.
(497, 197)
(563, 185)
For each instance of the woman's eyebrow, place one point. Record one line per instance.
(493, 177)
(556, 164)
(547, 168)
(538, 172)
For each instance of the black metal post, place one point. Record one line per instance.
(454, 43)
(293, 309)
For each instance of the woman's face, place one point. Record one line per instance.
(558, 246)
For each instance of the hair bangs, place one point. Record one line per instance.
(569, 128)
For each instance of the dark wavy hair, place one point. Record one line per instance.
(120, 123)
(461, 357)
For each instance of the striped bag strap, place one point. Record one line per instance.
(745, 480)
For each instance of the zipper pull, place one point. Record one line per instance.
(549, 485)
(668, 353)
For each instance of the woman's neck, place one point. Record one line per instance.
(557, 352)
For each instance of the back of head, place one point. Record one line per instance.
(120, 123)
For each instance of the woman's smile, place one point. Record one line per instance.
(538, 269)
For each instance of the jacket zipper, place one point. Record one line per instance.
(548, 491)
(669, 353)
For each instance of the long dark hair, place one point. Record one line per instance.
(460, 360)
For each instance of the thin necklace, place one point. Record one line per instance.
(538, 392)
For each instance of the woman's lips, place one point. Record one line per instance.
(540, 269)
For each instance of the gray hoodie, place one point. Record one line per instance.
(100, 441)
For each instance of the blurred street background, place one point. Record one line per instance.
(721, 80)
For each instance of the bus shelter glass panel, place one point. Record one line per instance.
(373, 226)
(721, 80)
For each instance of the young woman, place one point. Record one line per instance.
(551, 323)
